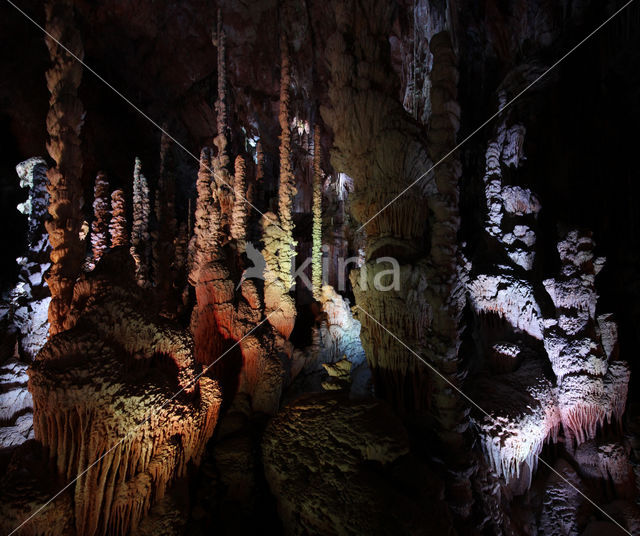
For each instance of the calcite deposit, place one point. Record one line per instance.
(143, 417)
(64, 122)
(341, 268)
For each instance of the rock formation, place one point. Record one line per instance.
(101, 216)
(279, 245)
(118, 223)
(450, 369)
(588, 386)
(316, 254)
(379, 145)
(592, 388)
(16, 405)
(143, 417)
(27, 303)
(240, 209)
(338, 465)
(140, 237)
(64, 123)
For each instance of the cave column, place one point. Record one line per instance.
(64, 122)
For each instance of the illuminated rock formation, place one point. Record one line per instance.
(118, 223)
(16, 405)
(590, 386)
(380, 146)
(33, 176)
(64, 123)
(316, 252)
(205, 249)
(140, 237)
(510, 298)
(27, 303)
(221, 174)
(101, 216)
(142, 418)
(279, 245)
(524, 416)
(226, 311)
(240, 207)
(591, 389)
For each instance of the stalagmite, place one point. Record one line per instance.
(240, 207)
(221, 173)
(64, 122)
(118, 223)
(316, 252)
(591, 389)
(221, 140)
(128, 419)
(140, 237)
(101, 216)
(279, 245)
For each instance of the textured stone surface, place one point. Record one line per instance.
(142, 417)
(331, 463)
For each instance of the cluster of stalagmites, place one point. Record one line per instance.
(526, 407)
(118, 403)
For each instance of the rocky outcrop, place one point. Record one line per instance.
(239, 214)
(524, 415)
(64, 122)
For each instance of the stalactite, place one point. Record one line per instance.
(279, 246)
(64, 122)
(118, 224)
(239, 214)
(316, 251)
(101, 216)
(140, 237)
